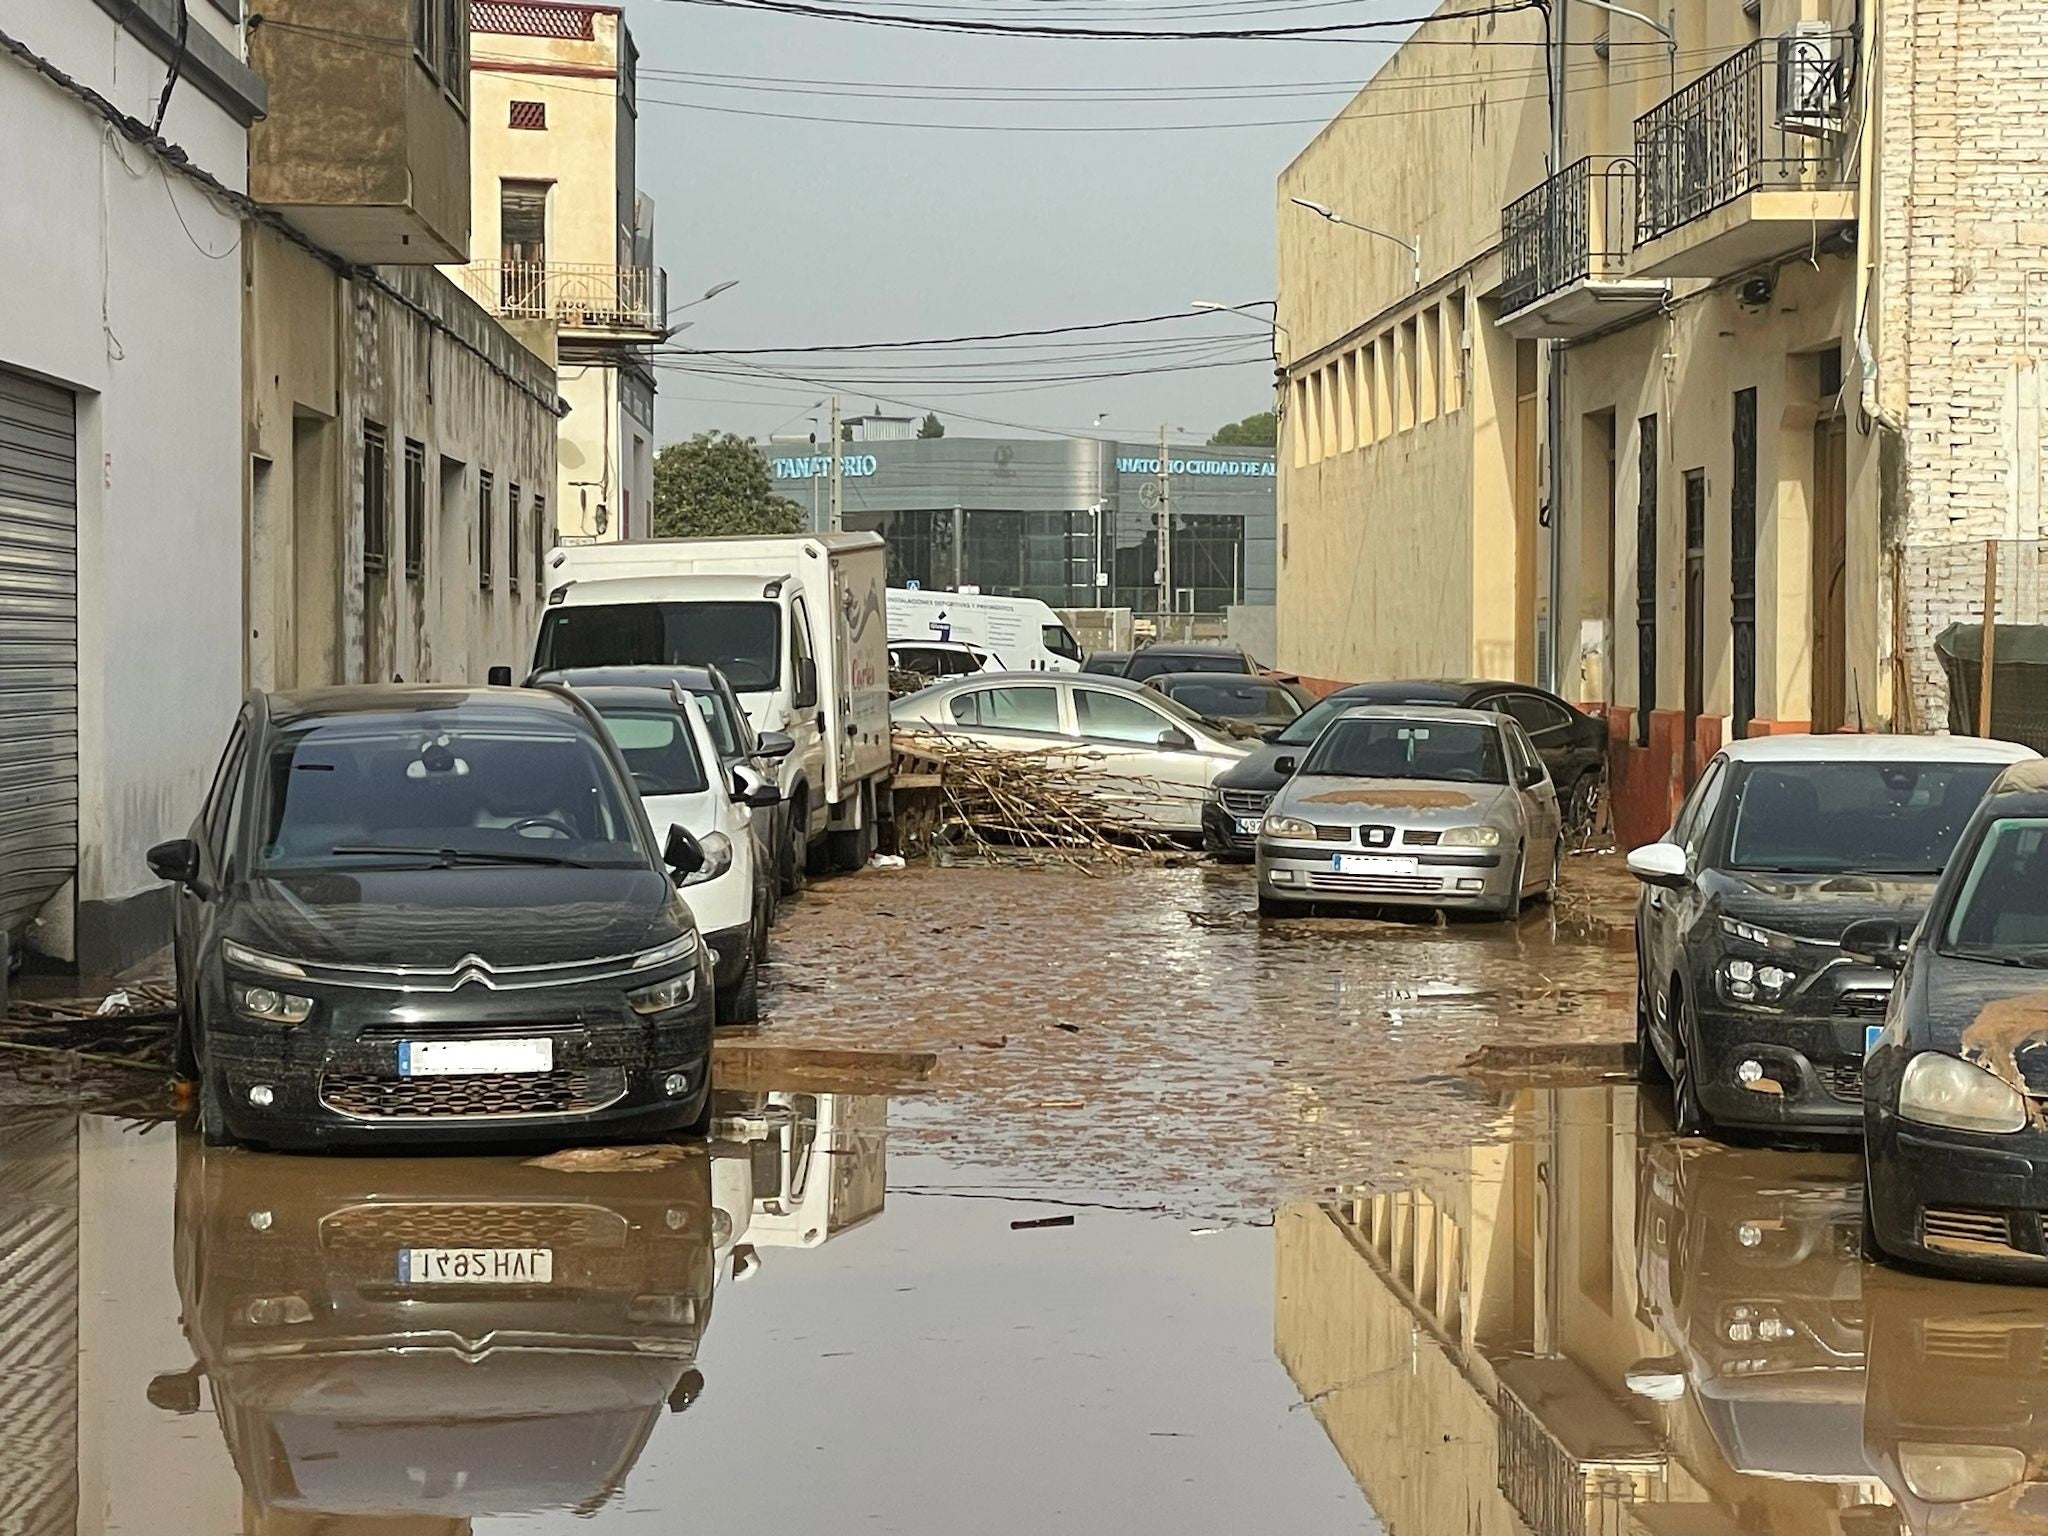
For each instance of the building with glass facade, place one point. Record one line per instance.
(1042, 517)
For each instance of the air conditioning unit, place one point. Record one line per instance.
(1813, 80)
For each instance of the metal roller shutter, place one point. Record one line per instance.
(38, 645)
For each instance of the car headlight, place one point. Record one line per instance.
(681, 948)
(272, 1006)
(1749, 933)
(1470, 837)
(1745, 981)
(1286, 826)
(717, 858)
(1956, 1474)
(256, 960)
(1946, 1090)
(676, 992)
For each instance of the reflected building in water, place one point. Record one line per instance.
(1589, 1329)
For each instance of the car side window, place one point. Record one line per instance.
(1009, 709)
(800, 640)
(1536, 714)
(221, 816)
(1105, 716)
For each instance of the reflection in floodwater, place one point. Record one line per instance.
(389, 1345)
(1595, 1329)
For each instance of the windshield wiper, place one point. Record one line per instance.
(449, 858)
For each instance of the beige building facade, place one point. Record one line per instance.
(564, 237)
(1670, 425)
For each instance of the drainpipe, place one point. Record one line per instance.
(1551, 673)
(1866, 197)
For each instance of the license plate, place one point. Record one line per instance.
(1372, 864)
(476, 1266)
(1870, 1034)
(1248, 826)
(468, 1058)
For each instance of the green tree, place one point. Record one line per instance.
(931, 426)
(718, 483)
(1259, 431)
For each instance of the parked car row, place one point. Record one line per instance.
(1845, 934)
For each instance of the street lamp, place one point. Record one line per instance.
(1324, 211)
(1278, 329)
(708, 294)
(679, 326)
(1670, 37)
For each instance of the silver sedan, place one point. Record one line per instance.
(1447, 808)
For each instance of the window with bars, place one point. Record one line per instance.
(486, 533)
(376, 499)
(415, 508)
(542, 535)
(423, 30)
(512, 538)
(529, 114)
(455, 49)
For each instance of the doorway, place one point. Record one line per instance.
(1695, 614)
(1742, 562)
(523, 246)
(1830, 574)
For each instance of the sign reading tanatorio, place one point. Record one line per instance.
(821, 464)
(1196, 466)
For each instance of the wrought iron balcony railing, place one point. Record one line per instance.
(575, 295)
(1773, 117)
(1575, 226)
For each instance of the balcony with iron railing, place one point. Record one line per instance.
(1753, 159)
(1565, 248)
(586, 300)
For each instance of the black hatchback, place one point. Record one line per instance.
(1955, 1100)
(424, 914)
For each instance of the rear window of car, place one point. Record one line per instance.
(1452, 752)
(1237, 701)
(1875, 818)
(658, 749)
(1150, 664)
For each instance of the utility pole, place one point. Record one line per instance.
(1550, 642)
(835, 508)
(1165, 568)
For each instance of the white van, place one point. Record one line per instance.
(795, 622)
(1023, 634)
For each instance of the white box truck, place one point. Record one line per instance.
(1022, 633)
(796, 623)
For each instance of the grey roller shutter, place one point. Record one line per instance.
(38, 645)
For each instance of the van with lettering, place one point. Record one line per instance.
(1021, 633)
(797, 624)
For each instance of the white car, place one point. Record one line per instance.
(683, 781)
(937, 659)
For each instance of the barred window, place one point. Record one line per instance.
(415, 508)
(512, 538)
(376, 499)
(529, 114)
(486, 514)
(543, 535)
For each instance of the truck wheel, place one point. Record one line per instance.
(795, 848)
(847, 850)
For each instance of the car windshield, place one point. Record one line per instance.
(2001, 911)
(359, 792)
(1147, 664)
(1450, 751)
(658, 749)
(1248, 700)
(741, 639)
(1875, 818)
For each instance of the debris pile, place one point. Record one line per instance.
(129, 1028)
(1056, 801)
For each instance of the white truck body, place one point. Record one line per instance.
(759, 609)
(1014, 629)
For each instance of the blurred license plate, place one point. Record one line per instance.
(1248, 826)
(1371, 864)
(1870, 1034)
(476, 1266)
(466, 1058)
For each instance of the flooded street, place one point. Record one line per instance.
(1196, 1225)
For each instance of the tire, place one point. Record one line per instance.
(185, 1039)
(1649, 1065)
(213, 1124)
(1582, 805)
(1510, 908)
(1688, 1116)
(698, 1128)
(1549, 896)
(843, 850)
(739, 1003)
(1873, 1253)
(796, 847)
(1268, 907)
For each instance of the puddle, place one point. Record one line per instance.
(1589, 1327)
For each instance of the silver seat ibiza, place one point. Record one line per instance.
(1408, 806)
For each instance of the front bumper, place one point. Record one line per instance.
(1812, 1064)
(334, 1081)
(1308, 872)
(1956, 1201)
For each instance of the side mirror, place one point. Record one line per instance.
(750, 787)
(682, 853)
(1660, 864)
(1879, 941)
(176, 861)
(1173, 739)
(499, 677)
(805, 695)
(774, 744)
(1533, 775)
(1285, 766)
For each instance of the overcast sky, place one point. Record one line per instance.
(840, 233)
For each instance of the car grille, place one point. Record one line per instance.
(1422, 839)
(1336, 834)
(382, 1229)
(1244, 802)
(1862, 1005)
(480, 1096)
(1844, 1079)
(1951, 1229)
(1375, 885)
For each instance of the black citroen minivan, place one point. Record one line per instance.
(433, 914)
